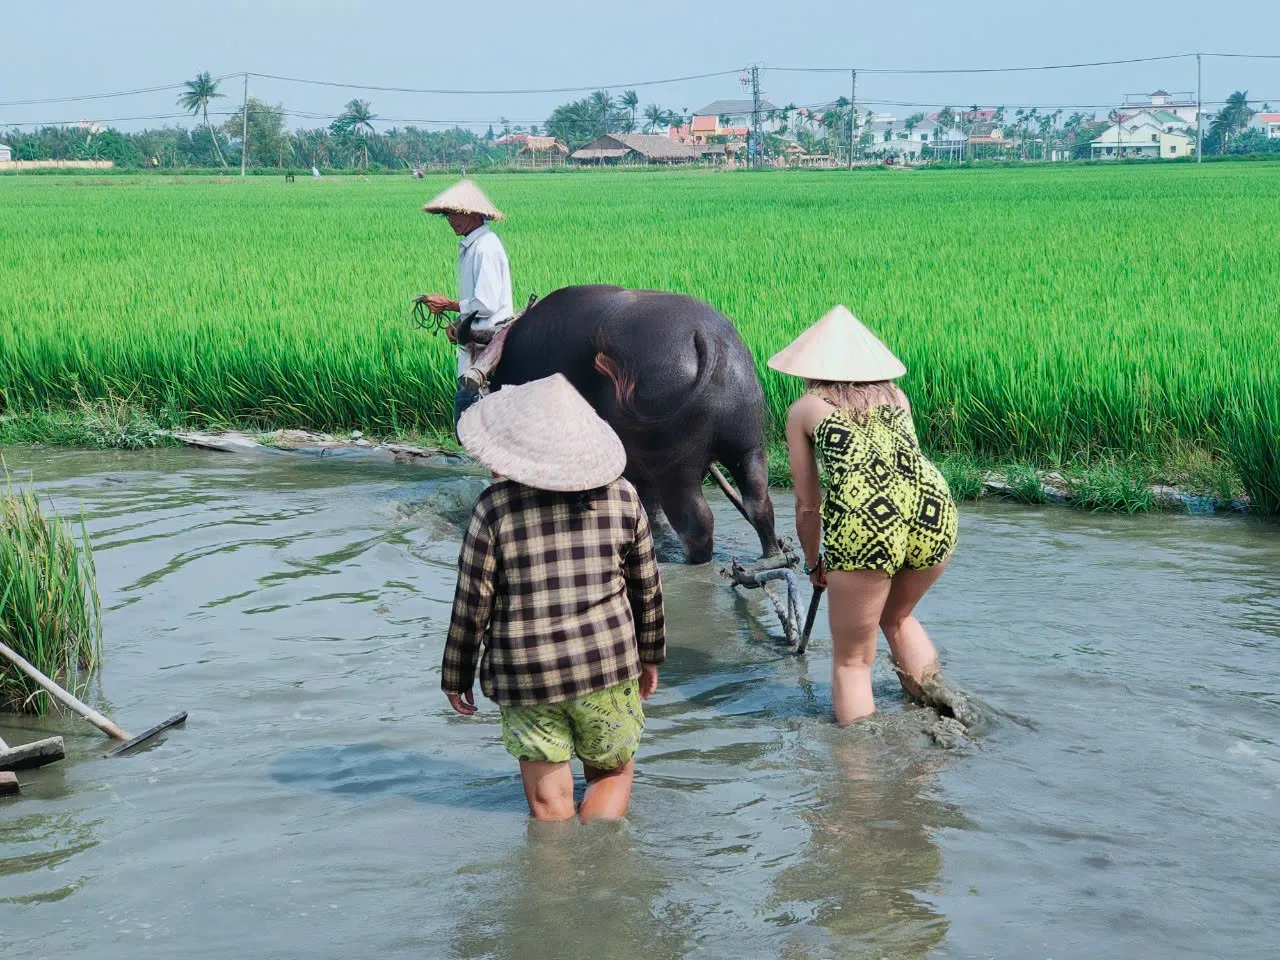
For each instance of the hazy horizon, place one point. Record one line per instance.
(78, 48)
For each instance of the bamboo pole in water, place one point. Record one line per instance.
(86, 711)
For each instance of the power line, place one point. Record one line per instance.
(882, 71)
(444, 92)
(950, 70)
(515, 121)
(102, 96)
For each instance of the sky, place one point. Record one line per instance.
(72, 48)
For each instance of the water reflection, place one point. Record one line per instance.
(570, 891)
(861, 886)
(36, 847)
(368, 770)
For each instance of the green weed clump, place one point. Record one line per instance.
(1046, 315)
(108, 424)
(49, 607)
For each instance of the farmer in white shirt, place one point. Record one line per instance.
(484, 281)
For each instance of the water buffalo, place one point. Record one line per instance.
(674, 379)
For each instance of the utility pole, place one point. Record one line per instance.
(1199, 116)
(757, 133)
(853, 111)
(244, 128)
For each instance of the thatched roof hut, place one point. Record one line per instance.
(635, 148)
(534, 144)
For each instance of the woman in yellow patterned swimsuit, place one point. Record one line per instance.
(887, 524)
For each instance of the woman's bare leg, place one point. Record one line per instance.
(856, 599)
(608, 792)
(913, 652)
(549, 789)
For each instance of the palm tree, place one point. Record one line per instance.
(602, 104)
(195, 99)
(630, 101)
(356, 121)
(946, 123)
(785, 116)
(1048, 128)
(654, 117)
(315, 144)
(1231, 119)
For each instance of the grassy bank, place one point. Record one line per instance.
(1127, 484)
(1097, 317)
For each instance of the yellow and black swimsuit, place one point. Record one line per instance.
(886, 506)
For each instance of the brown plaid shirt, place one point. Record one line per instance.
(566, 599)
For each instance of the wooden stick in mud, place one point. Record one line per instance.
(93, 716)
(814, 603)
(734, 497)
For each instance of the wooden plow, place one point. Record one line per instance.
(776, 576)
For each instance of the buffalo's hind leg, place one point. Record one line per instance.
(751, 473)
(689, 513)
(667, 545)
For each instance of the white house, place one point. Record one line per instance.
(1166, 120)
(1120, 141)
(740, 113)
(1268, 123)
(6, 154)
(893, 137)
(1181, 105)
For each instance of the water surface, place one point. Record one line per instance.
(323, 801)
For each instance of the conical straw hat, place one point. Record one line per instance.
(463, 197)
(544, 435)
(838, 348)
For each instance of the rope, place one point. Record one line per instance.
(424, 319)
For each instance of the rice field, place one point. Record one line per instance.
(1044, 314)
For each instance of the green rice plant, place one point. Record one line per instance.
(1025, 484)
(964, 475)
(1113, 488)
(50, 612)
(1253, 442)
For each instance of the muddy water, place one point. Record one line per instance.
(323, 801)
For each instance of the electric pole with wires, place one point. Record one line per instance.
(853, 112)
(756, 149)
(1199, 114)
(244, 128)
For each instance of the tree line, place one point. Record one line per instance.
(352, 141)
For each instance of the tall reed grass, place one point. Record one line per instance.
(49, 607)
(1044, 314)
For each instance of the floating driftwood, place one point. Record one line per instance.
(306, 443)
(28, 756)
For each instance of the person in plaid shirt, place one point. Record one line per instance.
(558, 582)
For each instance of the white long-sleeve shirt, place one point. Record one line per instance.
(484, 283)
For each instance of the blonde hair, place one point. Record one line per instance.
(857, 397)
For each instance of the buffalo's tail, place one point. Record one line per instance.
(623, 381)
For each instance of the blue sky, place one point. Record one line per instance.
(73, 47)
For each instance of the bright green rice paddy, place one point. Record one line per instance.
(1046, 315)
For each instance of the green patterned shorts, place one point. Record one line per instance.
(603, 728)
